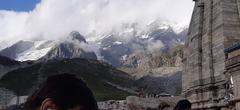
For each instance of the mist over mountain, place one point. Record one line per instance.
(54, 19)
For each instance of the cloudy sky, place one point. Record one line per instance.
(52, 19)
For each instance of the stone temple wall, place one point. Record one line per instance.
(233, 73)
(215, 25)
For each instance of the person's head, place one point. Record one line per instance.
(62, 92)
(183, 105)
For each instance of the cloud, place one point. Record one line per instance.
(155, 45)
(12, 24)
(53, 19)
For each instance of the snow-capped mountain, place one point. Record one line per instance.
(13, 51)
(38, 50)
(122, 42)
(74, 46)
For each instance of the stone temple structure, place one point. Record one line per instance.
(233, 72)
(215, 26)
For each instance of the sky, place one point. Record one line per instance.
(18, 5)
(54, 19)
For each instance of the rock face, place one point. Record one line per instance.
(146, 61)
(215, 25)
(75, 35)
(69, 50)
(74, 46)
(154, 61)
(156, 72)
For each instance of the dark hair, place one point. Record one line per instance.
(66, 91)
(183, 105)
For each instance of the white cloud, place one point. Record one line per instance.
(53, 19)
(12, 24)
(156, 45)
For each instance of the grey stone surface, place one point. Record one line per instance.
(233, 73)
(215, 25)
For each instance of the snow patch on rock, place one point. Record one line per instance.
(118, 43)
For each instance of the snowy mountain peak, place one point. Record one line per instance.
(176, 27)
(74, 46)
(38, 50)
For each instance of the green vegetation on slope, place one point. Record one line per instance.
(96, 74)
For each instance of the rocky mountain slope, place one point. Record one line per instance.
(157, 72)
(7, 65)
(171, 84)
